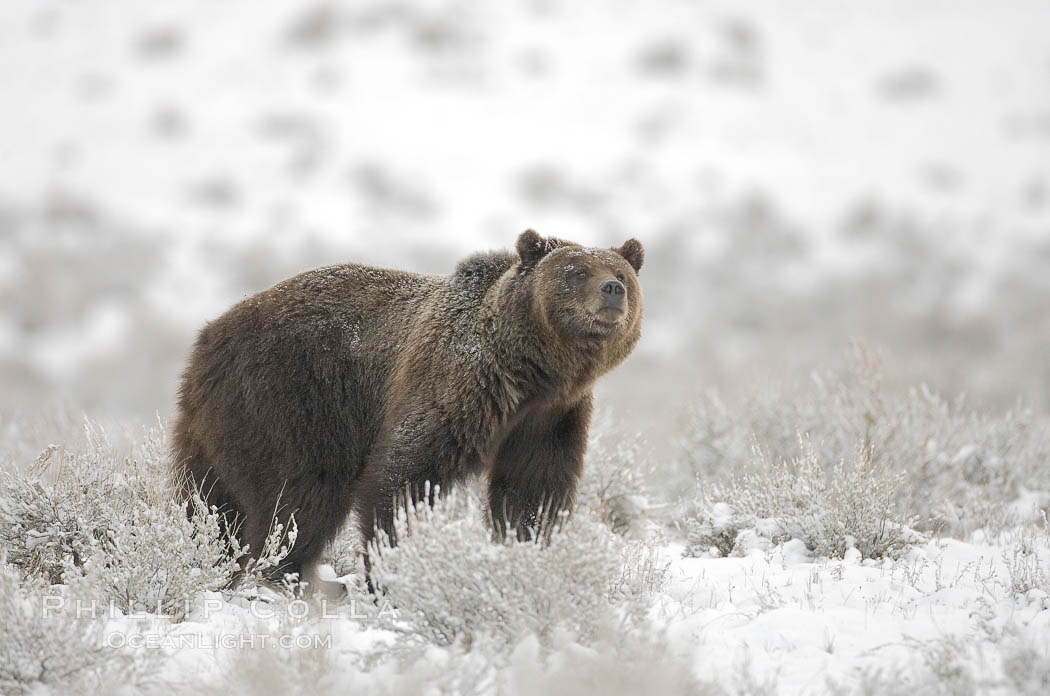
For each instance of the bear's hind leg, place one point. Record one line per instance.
(379, 494)
(319, 512)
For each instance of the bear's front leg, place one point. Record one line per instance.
(534, 475)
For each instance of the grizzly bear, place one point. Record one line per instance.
(347, 386)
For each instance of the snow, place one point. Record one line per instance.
(789, 620)
(800, 622)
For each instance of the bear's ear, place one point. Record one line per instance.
(531, 248)
(634, 253)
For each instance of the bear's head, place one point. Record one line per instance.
(584, 294)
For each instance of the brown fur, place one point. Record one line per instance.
(345, 386)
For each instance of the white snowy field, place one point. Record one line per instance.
(942, 620)
(791, 518)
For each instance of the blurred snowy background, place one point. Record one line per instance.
(802, 174)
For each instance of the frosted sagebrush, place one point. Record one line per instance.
(114, 530)
(616, 483)
(451, 583)
(42, 526)
(155, 562)
(163, 558)
(1027, 559)
(44, 643)
(68, 499)
(849, 504)
(342, 551)
(959, 468)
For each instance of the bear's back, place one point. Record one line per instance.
(362, 302)
(353, 310)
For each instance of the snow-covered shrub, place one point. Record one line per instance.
(163, 557)
(157, 561)
(67, 500)
(341, 553)
(617, 480)
(257, 564)
(1027, 559)
(43, 641)
(643, 574)
(452, 583)
(109, 526)
(715, 528)
(849, 504)
(959, 467)
(717, 439)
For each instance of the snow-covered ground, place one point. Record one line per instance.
(942, 620)
(800, 625)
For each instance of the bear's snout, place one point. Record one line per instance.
(613, 294)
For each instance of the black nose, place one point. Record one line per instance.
(613, 293)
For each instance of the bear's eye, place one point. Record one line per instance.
(582, 273)
(619, 277)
